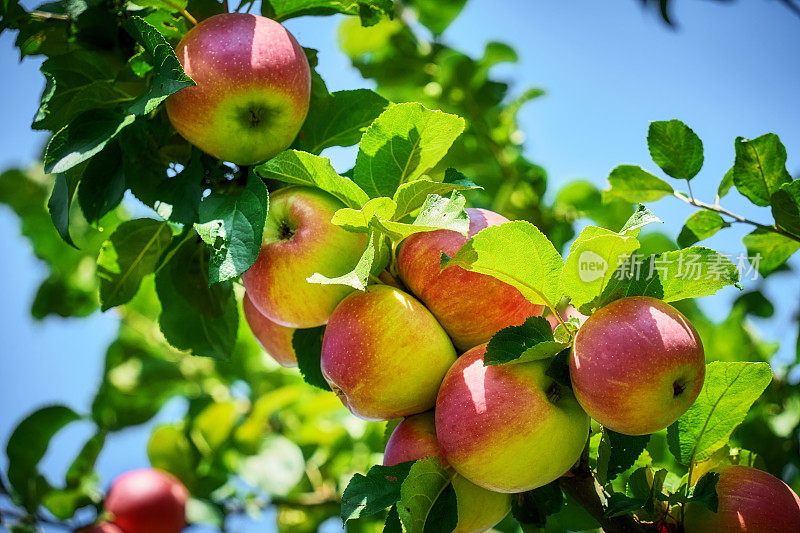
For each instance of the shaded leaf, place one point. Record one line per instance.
(618, 452)
(700, 225)
(371, 494)
(785, 204)
(760, 167)
(307, 345)
(767, 250)
(426, 481)
(527, 342)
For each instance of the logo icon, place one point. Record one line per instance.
(591, 266)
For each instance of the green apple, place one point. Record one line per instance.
(508, 428)
(637, 365)
(299, 240)
(470, 306)
(147, 501)
(253, 87)
(384, 354)
(274, 338)
(750, 501)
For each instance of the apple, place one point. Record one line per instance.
(384, 354)
(147, 501)
(478, 509)
(102, 527)
(508, 428)
(274, 338)
(750, 501)
(637, 365)
(299, 240)
(470, 306)
(253, 88)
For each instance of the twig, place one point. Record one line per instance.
(736, 218)
(49, 16)
(182, 11)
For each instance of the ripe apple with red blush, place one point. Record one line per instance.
(490, 418)
(147, 501)
(253, 85)
(384, 354)
(637, 365)
(470, 306)
(750, 501)
(299, 240)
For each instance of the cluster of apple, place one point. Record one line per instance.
(393, 350)
(144, 501)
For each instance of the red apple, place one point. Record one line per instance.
(508, 428)
(253, 87)
(478, 509)
(750, 501)
(102, 527)
(147, 501)
(637, 365)
(470, 306)
(384, 354)
(299, 240)
(274, 338)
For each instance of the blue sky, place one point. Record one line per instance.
(608, 67)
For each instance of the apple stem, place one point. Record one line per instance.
(182, 11)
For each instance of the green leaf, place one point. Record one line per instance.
(767, 250)
(359, 220)
(340, 119)
(436, 213)
(277, 468)
(518, 254)
(529, 341)
(102, 183)
(393, 524)
(370, 11)
(403, 143)
(618, 452)
(726, 183)
(785, 203)
(371, 494)
(61, 199)
(700, 225)
(634, 184)
(301, 168)
(83, 465)
(195, 315)
(170, 449)
(436, 15)
(82, 138)
(756, 304)
(693, 273)
(443, 516)
(77, 81)
(632, 278)
(619, 504)
(593, 258)
(418, 494)
(728, 392)
(410, 196)
(675, 148)
(533, 507)
(169, 76)
(372, 260)
(760, 167)
(130, 253)
(27, 446)
(180, 196)
(705, 491)
(205, 513)
(232, 225)
(307, 345)
(640, 218)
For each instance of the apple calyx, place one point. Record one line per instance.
(256, 116)
(553, 393)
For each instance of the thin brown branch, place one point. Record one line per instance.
(735, 218)
(49, 16)
(580, 484)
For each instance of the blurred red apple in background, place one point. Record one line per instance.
(147, 501)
